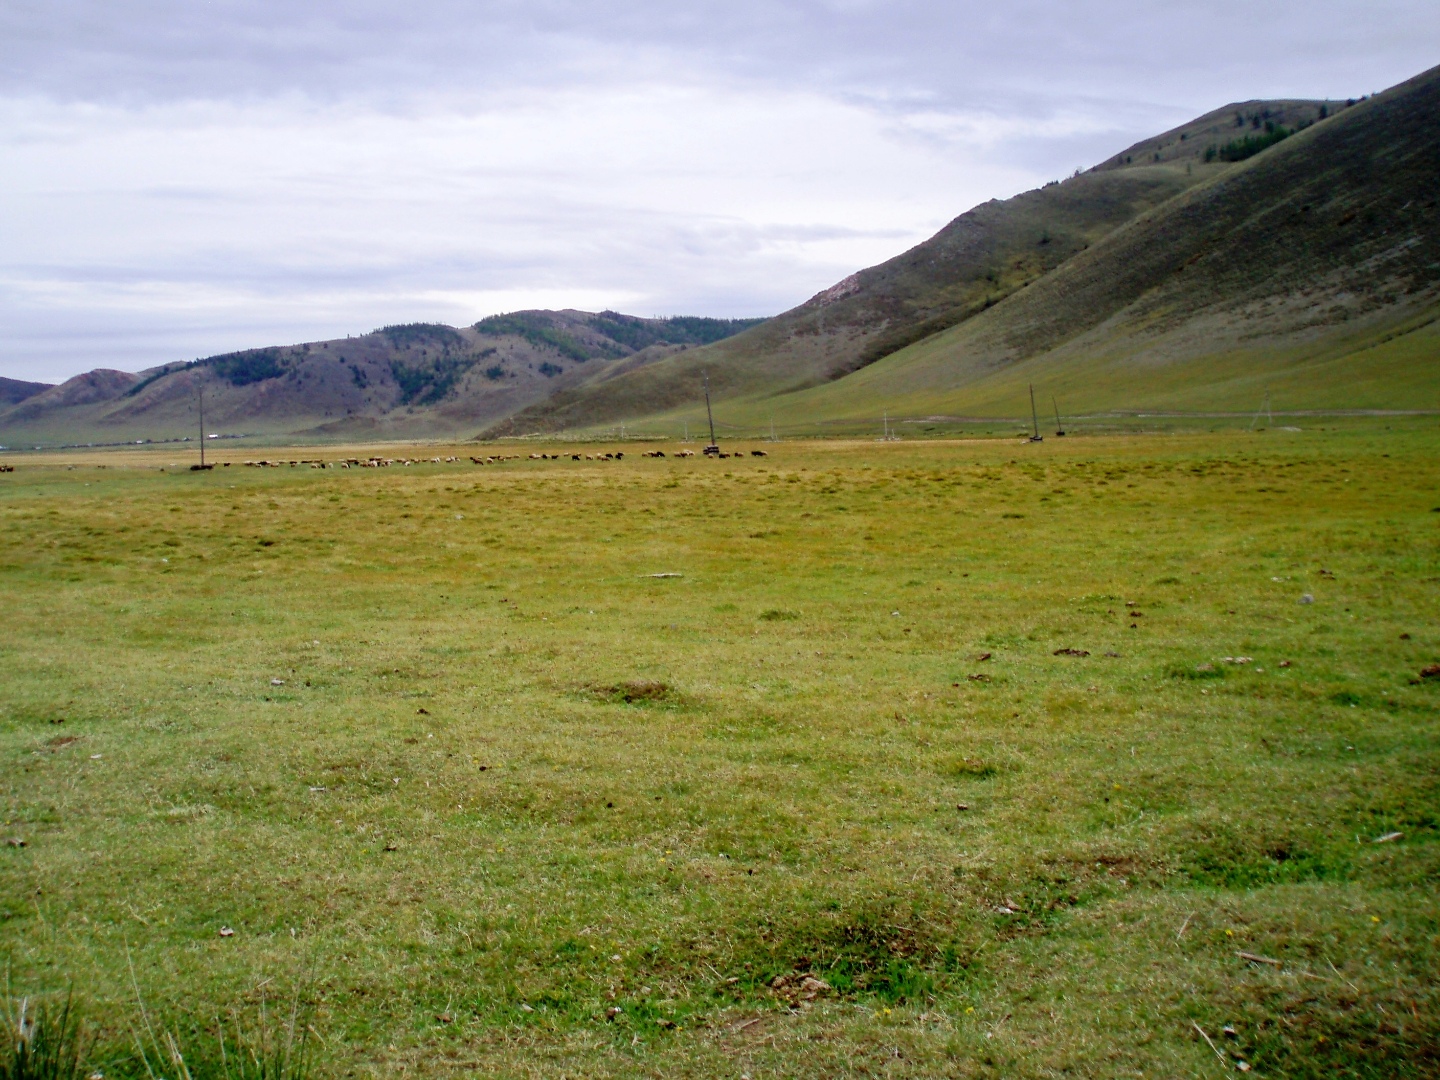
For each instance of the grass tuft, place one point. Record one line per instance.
(44, 1041)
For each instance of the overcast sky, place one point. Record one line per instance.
(185, 177)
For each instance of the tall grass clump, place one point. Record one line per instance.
(275, 1046)
(43, 1041)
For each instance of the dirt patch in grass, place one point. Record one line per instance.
(1227, 858)
(969, 768)
(636, 692)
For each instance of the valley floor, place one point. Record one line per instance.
(1106, 756)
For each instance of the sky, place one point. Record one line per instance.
(180, 178)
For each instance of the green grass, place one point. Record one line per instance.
(489, 798)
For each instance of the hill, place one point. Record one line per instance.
(1310, 270)
(405, 381)
(13, 391)
(975, 262)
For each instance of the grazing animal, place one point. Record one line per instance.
(758, 453)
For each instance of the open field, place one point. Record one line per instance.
(461, 768)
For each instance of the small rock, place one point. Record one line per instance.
(225, 931)
(15, 841)
(668, 1025)
(962, 806)
(612, 1012)
(1431, 672)
(1243, 1066)
(277, 682)
(1307, 599)
(812, 987)
(984, 656)
(422, 712)
(977, 678)
(444, 1018)
(1284, 663)
(1229, 1031)
(527, 1008)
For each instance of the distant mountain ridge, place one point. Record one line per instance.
(14, 391)
(401, 381)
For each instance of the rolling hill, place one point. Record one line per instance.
(1310, 271)
(974, 263)
(408, 381)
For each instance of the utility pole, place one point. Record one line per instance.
(1269, 420)
(713, 450)
(202, 467)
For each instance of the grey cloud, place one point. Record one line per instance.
(1027, 51)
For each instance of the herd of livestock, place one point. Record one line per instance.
(494, 459)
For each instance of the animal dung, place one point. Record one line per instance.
(1071, 652)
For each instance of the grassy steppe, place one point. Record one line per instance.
(451, 761)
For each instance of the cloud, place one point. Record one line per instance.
(185, 179)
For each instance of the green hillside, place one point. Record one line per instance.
(974, 263)
(1312, 270)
